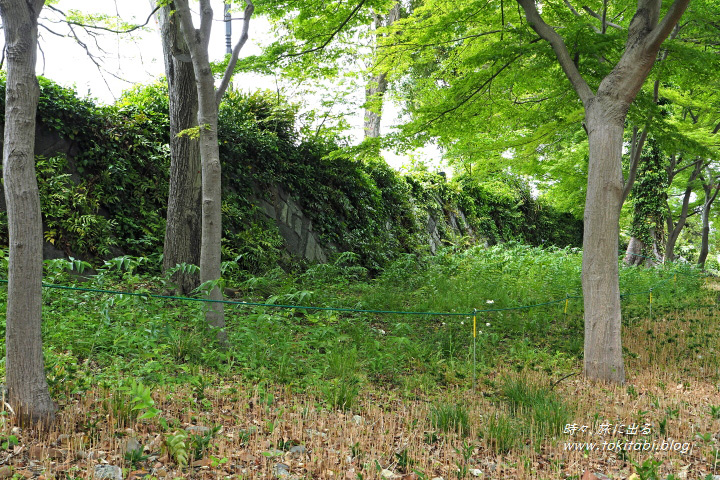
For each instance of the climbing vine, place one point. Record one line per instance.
(105, 194)
(648, 197)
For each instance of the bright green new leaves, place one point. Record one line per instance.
(476, 78)
(314, 39)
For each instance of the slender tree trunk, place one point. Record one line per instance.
(711, 189)
(674, 230)
(182, 232)
(210, 254)
(374, 93)
(704, 247)
(24, 366)
(601, 289)
(208, 105)
(378, 84)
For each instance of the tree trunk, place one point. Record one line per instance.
(705, 236)
(600, 281)
(674, 231)
(210, 253)
(377, 85)
(24, 366)
(374, 93)
(605, 113)
(633, 254)
(711, 189)
(208, 104)
(182, 232)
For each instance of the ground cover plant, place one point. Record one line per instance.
(339, 393)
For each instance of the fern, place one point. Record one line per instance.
(177, 447)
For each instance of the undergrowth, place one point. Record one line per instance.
(528, 320)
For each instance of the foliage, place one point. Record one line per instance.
(649, 196)
(447, 418)
(107, 194)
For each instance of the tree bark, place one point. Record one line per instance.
(209, 98)
(378, 84)
(25, 365)
(674, 229)
(605, 113)
(211, 230)
(182, 232)
(711, 189)
(600, 281)
(633, 254)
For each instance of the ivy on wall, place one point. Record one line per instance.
(108, 196)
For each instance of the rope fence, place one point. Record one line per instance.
(474, 312)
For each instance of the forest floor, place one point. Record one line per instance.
(522, 410)
(250, 432)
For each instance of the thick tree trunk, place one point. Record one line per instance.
(600, 281)
(605, 113)
(24, 366)
(182, 233)
(633, 254)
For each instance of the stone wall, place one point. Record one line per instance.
(442, 222)
(295, 228)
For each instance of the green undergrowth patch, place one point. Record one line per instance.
(96, 338)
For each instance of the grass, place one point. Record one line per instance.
(363, 392)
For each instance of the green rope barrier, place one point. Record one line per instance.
(250, 304)
(565, 299)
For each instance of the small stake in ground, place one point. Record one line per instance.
(474, 342)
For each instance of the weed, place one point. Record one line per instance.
(340, 393)
(134, 457)
(648, 470)
(200, 443)
(403, 460)
(8, 442)
(543, 409)
(177, 447)
(446, 418)
(501, 433)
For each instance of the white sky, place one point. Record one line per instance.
(126, 60)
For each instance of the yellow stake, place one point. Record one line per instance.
(650, 296)
(566, 304)
(474, 326)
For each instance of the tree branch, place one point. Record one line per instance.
(469, 97)
(686, 199)
(332, 35)
(635, 153)
(692, 164)
(603, 18)
(186, 23)
(97, 27)
(561, 52)
(249, 9)
(663, 29)
(425, 45)
(206, 18)
(572, 9)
